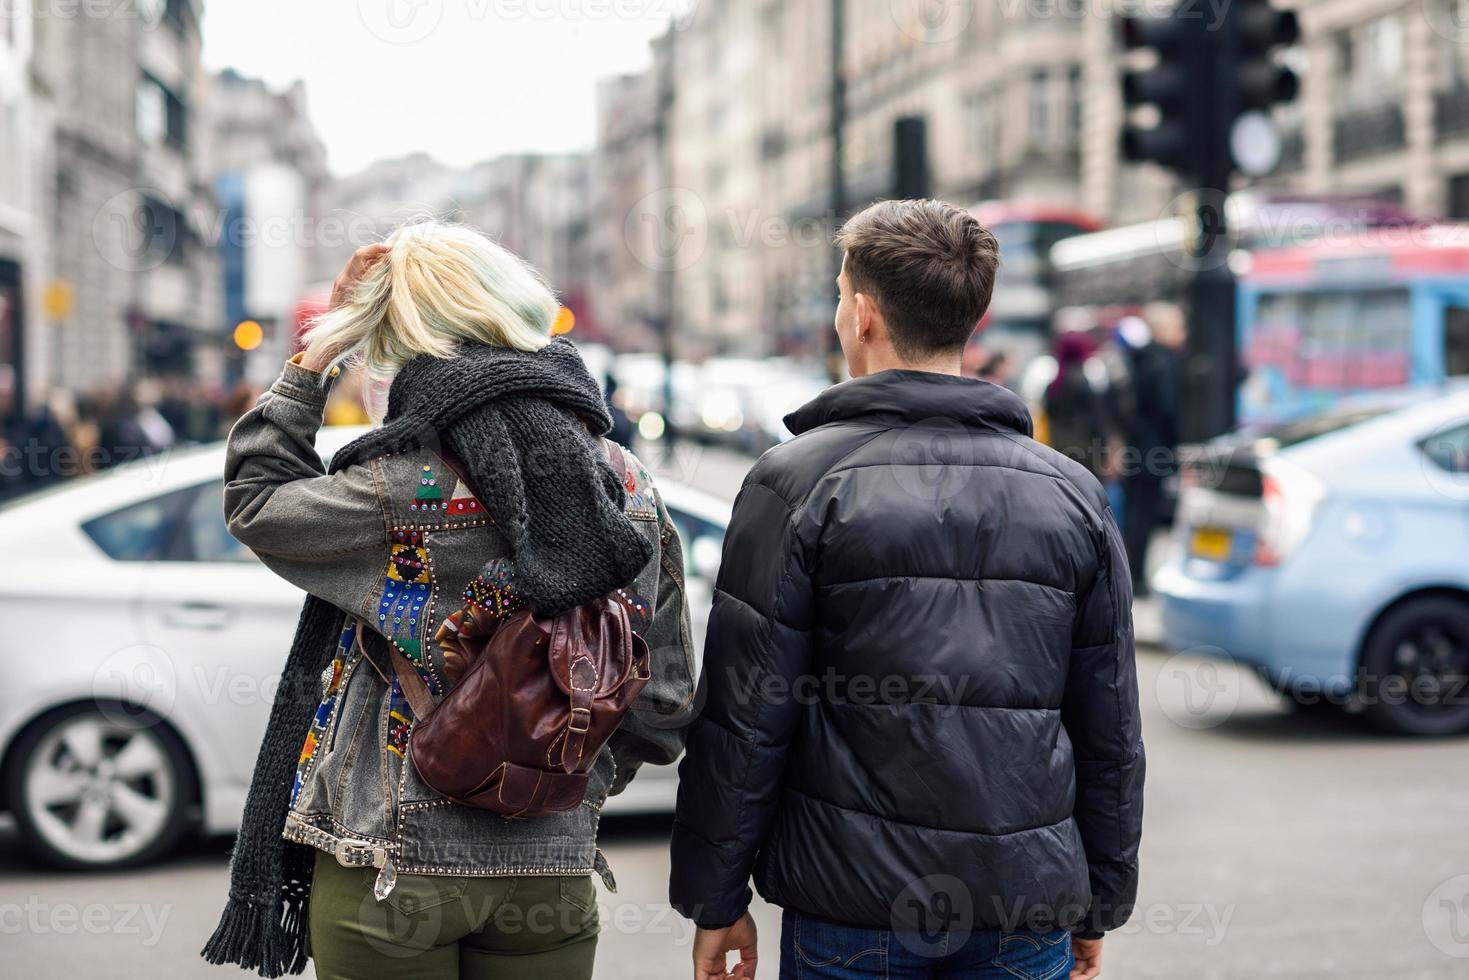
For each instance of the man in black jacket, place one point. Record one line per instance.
(920, 725)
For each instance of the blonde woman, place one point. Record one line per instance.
(486, 488)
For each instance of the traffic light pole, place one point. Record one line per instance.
(1204, 78)
(1211, 370)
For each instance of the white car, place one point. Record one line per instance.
(145, 648)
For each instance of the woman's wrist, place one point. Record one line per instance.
(313, 361)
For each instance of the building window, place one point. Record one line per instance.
(162, 231)
(1370, 61)
(160, 114)
(1076, 105)
(1040, 108)
(1459, 198)
(984, 128)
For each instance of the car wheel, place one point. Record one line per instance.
(99, 788)
(1415, 668)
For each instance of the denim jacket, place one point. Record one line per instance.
(395, 543)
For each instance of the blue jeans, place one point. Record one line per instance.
(811, 949)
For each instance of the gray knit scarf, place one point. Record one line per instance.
(524, 427)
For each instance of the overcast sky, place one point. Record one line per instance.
(463, 80)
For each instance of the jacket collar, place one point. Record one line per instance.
(913, 396)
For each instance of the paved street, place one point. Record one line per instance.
(1276, 845)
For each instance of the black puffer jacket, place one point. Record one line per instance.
(921, 705)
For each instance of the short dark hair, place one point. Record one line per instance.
(930, 267)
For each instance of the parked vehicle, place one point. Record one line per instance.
(1333, 554)
(145, 646)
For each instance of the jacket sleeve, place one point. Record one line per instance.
(758, 645)
(1101, 716)
(323, 533)
(655, 729)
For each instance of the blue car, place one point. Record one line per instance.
(1332, 554)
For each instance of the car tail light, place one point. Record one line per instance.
(1291, 496)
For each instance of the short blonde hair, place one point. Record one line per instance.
(440, 286)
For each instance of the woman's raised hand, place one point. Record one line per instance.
(357, 267)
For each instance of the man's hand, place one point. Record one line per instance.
(711, 947)
(357, 267)
(1088, 954)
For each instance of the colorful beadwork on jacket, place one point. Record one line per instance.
(331, 683)
(429, 499)
(400, 720)
(463, 503)
(493, 590)
(639, 610)
(639, 487)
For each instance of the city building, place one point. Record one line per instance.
(537, 205)
(1022, 103)
(269, 174)
(19, 287)
(125, 245)
(624, 275)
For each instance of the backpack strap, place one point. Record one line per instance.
(420, 699)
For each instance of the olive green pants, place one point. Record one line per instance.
(434, 927)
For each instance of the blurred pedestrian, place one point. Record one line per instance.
(241, 398)
(1077, 414)
(1157, 385)
(920, 724)
(491, 448)
(623, 429)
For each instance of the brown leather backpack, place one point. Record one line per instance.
(519, 731)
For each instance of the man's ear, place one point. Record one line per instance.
(870, 325)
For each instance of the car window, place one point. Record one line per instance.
(1449, 449)
(203, 534)
(702, 540)
(138, 532)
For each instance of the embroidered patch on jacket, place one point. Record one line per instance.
(639, 486)
(400, 720)
(331, 682)
(639, 610)
(493, 590)
(405, 591)
(430, 498)
(463, 503)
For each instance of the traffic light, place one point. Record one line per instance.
(1209, 72)
(1256, 29)
(910, 158)
(1253, 31)
(1171, 85)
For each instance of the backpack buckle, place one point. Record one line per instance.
(581, 721)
